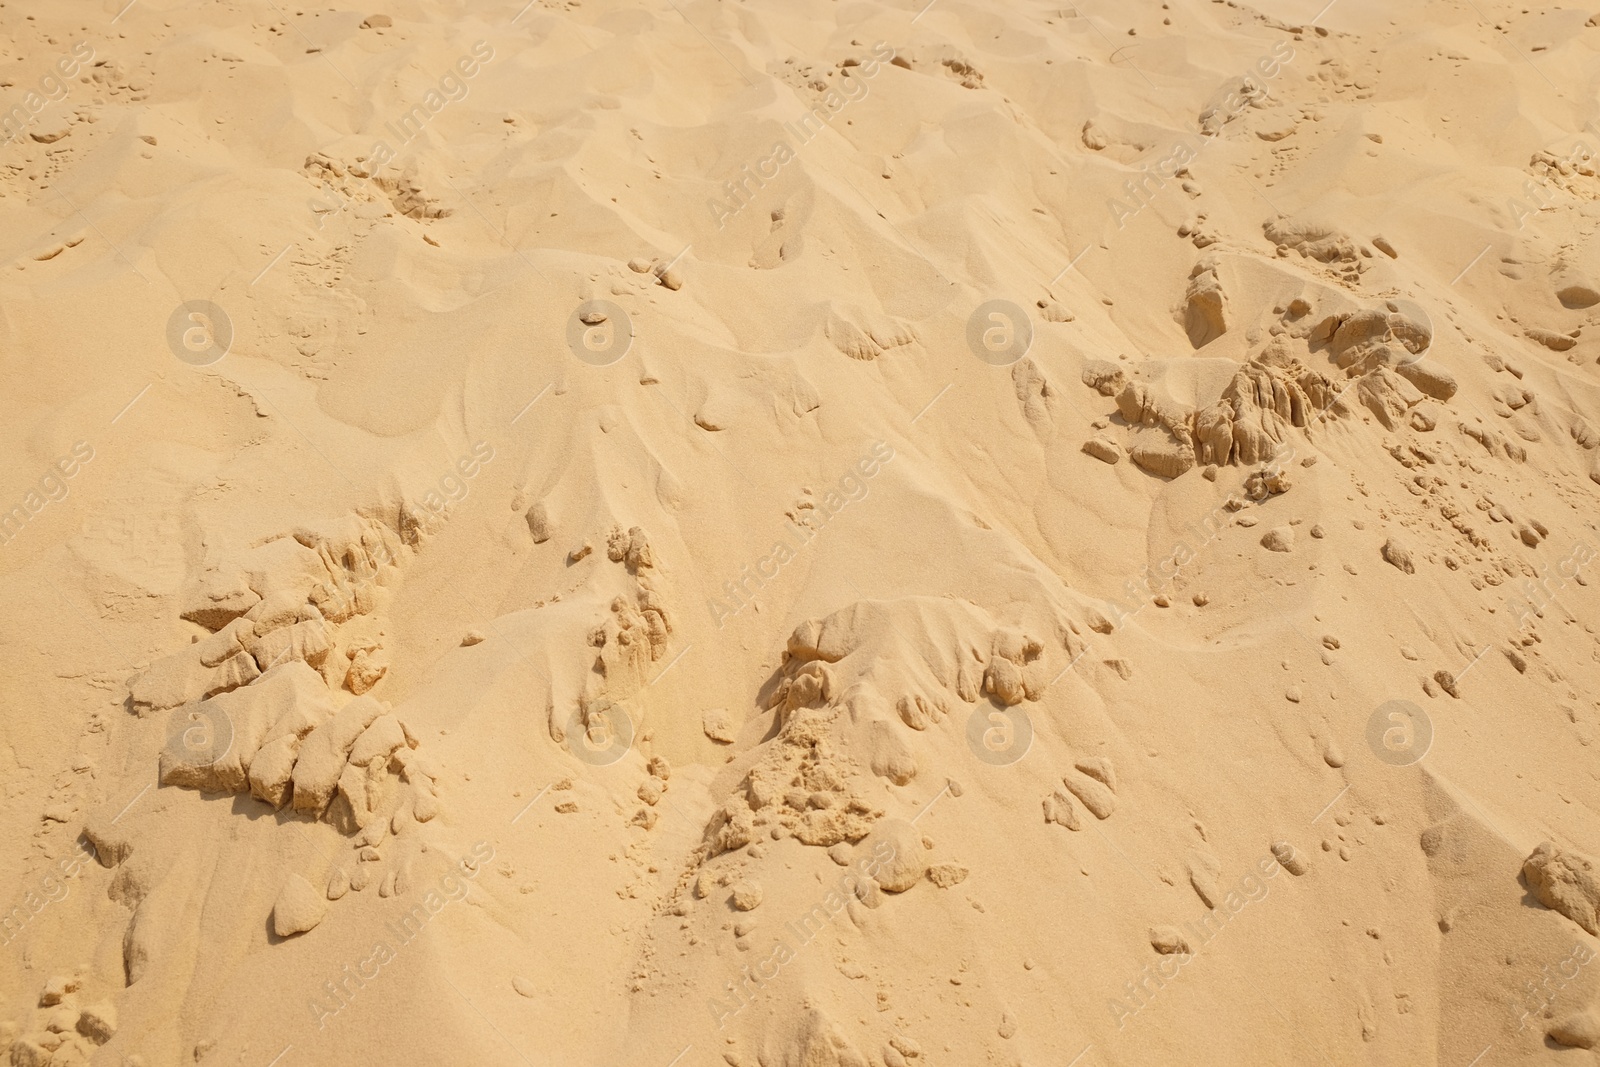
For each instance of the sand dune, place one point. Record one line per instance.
(799, 536)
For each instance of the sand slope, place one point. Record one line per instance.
(528, 539)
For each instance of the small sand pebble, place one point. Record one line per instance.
(747, 895)
(299, 907)
(718, 725)
(1278, 539)
(1288, 858)
(1168, 940)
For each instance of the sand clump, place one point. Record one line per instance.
(1566, 882)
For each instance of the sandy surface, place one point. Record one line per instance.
(799, 535)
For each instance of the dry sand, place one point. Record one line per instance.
(799, 535)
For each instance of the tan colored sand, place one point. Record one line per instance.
(528, 538)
